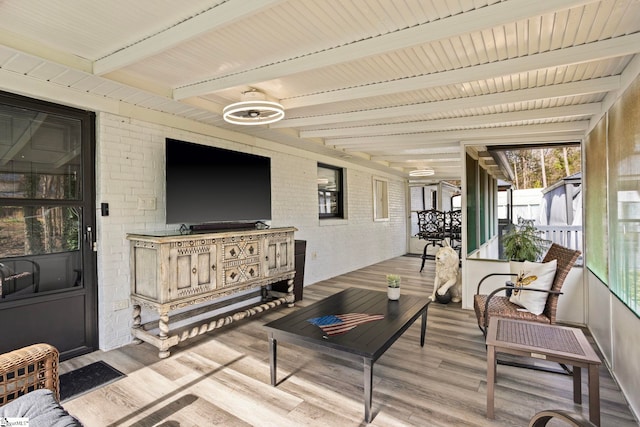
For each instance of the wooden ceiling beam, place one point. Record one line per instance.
(479, 19)
(418, 157)
(209, 20)
(427, 162)
(469, 134)
(570, 111)
(590, 52)
(583, 87)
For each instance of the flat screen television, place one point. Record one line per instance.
(208, 185)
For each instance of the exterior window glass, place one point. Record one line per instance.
(39, 155)
(330, 192)
(41, 206)
(37, 230)
(623, 155)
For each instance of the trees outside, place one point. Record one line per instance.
(540, 167)
(39, 228)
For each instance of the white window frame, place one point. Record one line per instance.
(380, 199)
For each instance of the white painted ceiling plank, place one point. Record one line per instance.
(469, 121)
(465, 134)
(415, 146)
(603, 84)
(479, 19)
(573, 55)
(410, 158)
(25, 45)
(222, 15)
(454, 107)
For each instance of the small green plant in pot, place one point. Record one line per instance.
(393, 286)
(523, 242)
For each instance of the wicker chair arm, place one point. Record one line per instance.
(491, 275)
(543, 417)
(27, 369)
(502, 288)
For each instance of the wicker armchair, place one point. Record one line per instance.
(30, 387)
(28, 369)
(492, 304)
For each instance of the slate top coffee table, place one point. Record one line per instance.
(367, 341)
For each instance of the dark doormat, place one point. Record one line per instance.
(87, 378)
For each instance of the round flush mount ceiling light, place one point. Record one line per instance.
(422, 172)
(254, 109)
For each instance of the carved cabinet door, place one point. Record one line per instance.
(279, 253)
(192, 270)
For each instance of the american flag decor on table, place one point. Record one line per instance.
(336, 324)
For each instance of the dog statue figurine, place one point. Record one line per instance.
(447, 275)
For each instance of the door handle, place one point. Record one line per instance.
(88, 237)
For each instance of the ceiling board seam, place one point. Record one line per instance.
(481, 18)
(553, 91)
(569, 56)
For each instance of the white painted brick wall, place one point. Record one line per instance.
(130, 165)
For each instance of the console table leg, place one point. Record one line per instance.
(163, 325)
(291, 298)
(137, 321)
(273, 348)
(163, 334)
(368, 385)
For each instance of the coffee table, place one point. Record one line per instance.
(366, 342)
(547, 342)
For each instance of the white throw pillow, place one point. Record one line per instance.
(534, 301)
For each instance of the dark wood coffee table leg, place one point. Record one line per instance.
(423, 328)
(368, 388)
(273, 346)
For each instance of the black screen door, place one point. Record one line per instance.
(48, 289)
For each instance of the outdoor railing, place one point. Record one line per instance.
(569, 236)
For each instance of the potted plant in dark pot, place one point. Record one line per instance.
(522, 242)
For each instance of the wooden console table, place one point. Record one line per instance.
(192, 273)
(548, 342)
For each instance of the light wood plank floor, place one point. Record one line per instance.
(223, 378)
